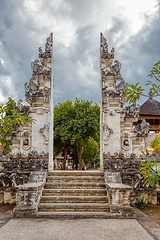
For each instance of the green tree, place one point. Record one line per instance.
(10, 121)
(74, 123)
(134, 92)
(85, 124)
(63, 125)
(89, 152)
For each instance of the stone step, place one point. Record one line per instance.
(74, 192)
(76, 185)
(75, 178)
(75, 173)
(74, 207)
(73, 215)
(74, 199)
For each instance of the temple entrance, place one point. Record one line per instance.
(118, 137)
(78, 194)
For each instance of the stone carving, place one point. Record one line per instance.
(121, 85)
(113, 93)
(116, 154)
(45, 132)
(17, 155)
(30, 155)
(39, 84)
(104, 49)
(24, 110)
(131, 111)
(106, 155)
(31, 94)
(122, 156)
(106, 133)
(32, 85)
(26, 140)
(4, 180)
(107, 69)
(142, 129)
(20, 105)
(16, 179)
(48, 49)
(126, 141)
(36, 68)
(35, 155)
(127, 136)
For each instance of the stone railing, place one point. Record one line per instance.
(29, 195)
(119, 194)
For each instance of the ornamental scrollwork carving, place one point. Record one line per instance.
(142, 129)
(104, 49)
(131, 111)
(113, 93)
(45, 132)
(106, 133)
(48, 49)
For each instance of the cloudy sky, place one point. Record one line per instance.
(131, 27)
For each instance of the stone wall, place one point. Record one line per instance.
(123, 166)
(24, 167)
(129, 169)
(15, 171)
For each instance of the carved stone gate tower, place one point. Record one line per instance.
(120, 136)
(35, 140)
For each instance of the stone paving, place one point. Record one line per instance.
(86, 229)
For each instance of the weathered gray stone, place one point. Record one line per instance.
(29, 195)
(119, 195)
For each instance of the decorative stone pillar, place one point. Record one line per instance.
(111, 102)
(37, 137)
(121, 133)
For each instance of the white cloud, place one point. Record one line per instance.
(1, 61)
(76, 25)
(135, 12)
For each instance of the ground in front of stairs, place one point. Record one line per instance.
(150, 222)
(152, 212)
(5, 213)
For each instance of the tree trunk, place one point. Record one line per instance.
(80, 154)
(65, 157)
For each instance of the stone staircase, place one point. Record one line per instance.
(74, 194)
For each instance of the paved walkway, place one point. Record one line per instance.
(84, 229)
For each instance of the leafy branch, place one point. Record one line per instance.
(10, 121)
(134, 92)
(151, 173)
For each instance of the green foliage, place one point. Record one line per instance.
(89, 152)
(10, 121)
(156, 141)
(155, 144)
(151, 173)
(146, 151)
(134, 92)
(63, 125)
(155, 72)
(74, 126)
(141, 203)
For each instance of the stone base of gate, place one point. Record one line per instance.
(29, 195)
(119, 195)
